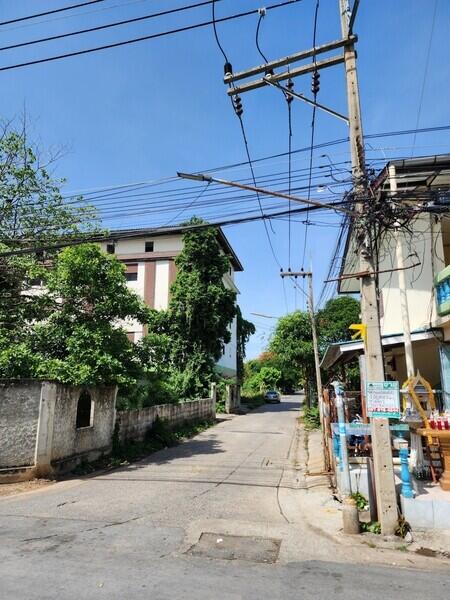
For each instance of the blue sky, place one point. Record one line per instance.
(142, 112)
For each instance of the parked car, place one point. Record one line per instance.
(272, 396)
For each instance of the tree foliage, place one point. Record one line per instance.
(292, 344)
(335, 318)
(201, 310)
(268, 378)
(291, 347)
(80, 340)
(32, 213)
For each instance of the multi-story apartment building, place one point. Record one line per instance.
(149, 258)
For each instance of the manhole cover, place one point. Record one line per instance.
(236, 547)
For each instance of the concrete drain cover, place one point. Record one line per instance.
(236, 547)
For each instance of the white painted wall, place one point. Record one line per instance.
(419, 281)
(172, 243)
(229, 357)
(162, 284)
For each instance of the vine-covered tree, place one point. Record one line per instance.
(201, 310)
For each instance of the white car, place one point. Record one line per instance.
(272, 396)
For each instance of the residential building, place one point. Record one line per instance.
(423, 184)
(149, 258)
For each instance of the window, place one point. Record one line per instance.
(131, 273)
(110, 248)
(85, 410)
(149, 246)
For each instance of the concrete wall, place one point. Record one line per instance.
(135, 424)
(38, 425)
(19, 415)
(68, 441)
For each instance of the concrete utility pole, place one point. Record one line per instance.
(381, 437)
(312, 316)
(308, 274)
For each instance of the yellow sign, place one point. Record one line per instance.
(360, 331)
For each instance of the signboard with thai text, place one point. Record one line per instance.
(383, 399)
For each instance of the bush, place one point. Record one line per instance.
(361, 501)
(311, 417)
(253, 400)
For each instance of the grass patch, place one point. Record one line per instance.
(311, 417)
(253, 400)
(158, 438)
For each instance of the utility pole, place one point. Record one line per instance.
(312, 317)
(381, 439)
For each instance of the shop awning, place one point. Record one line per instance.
(343, 352)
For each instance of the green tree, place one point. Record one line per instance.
(334, 319)
(289, 376)
(81, 342)
(268, 378)
(201, 310)
(333, 323)
(292, 344)
(32, 213)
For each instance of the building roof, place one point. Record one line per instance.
(178, 230)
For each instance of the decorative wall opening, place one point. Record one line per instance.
(85, 410)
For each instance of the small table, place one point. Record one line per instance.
(443, 435)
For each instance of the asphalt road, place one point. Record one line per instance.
(202, 520)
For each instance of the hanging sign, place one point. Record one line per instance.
(383, 399)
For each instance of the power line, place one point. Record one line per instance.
(50, 12)
(234, 103)
(427, 62)
(98, 237)
(109, 25)
(266, 158)
(77, 15)
(216, 36)
(313, 125)
(262, 14)
(335, 142)
(142, 38)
